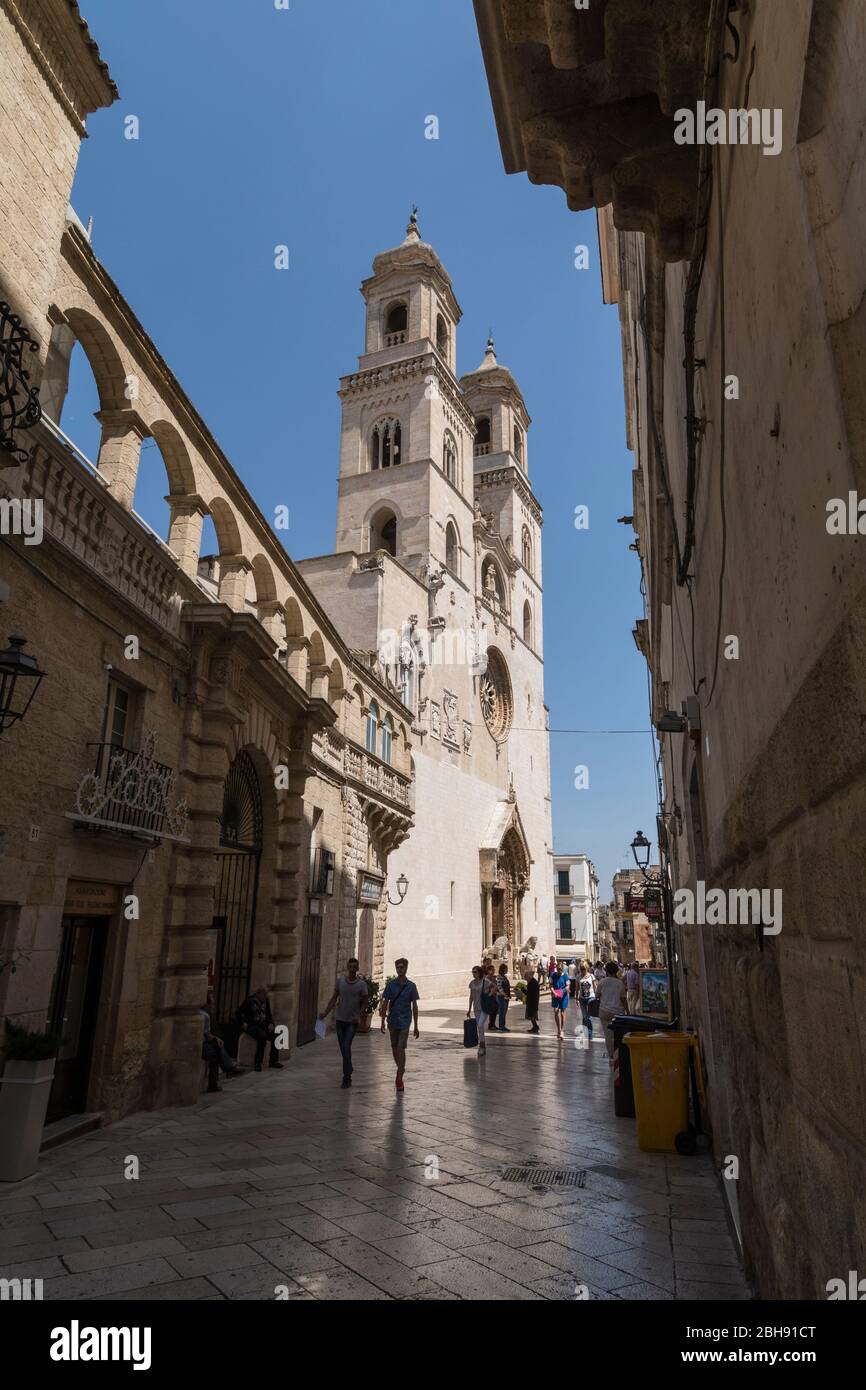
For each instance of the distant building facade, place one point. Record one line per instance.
(576, 905)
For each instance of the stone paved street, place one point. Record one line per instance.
(287, 1180)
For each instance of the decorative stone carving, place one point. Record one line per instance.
(435, 720)
(449, 708)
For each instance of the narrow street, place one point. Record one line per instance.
(287, 1186)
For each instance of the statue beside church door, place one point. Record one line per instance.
(498, 922)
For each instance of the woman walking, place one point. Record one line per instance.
(586, 995)
(559, 997)
(611, 997)
(478, 987)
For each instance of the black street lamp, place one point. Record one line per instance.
(640, 848)
(402, 889)
(19, 680)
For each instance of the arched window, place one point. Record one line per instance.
(383, 532)
(452, 548)
(482, 436)
(527, 624)
(442, 336)
(518, 444)
(385, 443)
(372, 738)
(526, 545)
(387, 738)
(396, 324)
(449, 458)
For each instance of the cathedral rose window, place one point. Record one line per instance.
(495, 693)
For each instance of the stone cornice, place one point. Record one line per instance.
(408, 369)
(585, 99)
(59, 41)
(511, 476)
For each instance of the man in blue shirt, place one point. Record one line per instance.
(399, 1007)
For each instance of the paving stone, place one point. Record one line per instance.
(98, 1283)
(273, 1217)
(32, 1269)
(76, 1198)
(473, 1281)
(372, 1225)
(293, 1255)
(207, 1262)
(586, 1240)
(313, 1227)
(563, 1288)
(341, 1285)
(154, 1226)
(382, 1270)
(206, 1206)
(585, 1269)
(650, 1292)
(42, 1249)
(190, 1290)
(334, 1207)
(708, 1273)
(712, 1293)
(81, 1262)
(251, 1281)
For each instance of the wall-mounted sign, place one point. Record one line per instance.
(655, 993)
(634, 902)
(652, 904)
(370, 888)
(91, 899)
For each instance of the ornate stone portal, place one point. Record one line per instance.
(504, 865)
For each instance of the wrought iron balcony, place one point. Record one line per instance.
(129, 791)
(19, 401)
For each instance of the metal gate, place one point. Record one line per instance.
(308, 993)
(237, 885)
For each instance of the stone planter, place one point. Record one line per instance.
(365, 1023)
(24, 1092)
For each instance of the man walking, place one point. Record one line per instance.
(632, 988)
(255, 1018)
(399, 1007)
(350, 996)
(533, 994)
(504, 996)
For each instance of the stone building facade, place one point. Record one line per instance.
(575, 904)
(739, 275)
(437, 574)
(189, 800)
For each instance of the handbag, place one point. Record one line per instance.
(557, 993)
(593, 1007)
(470, 1032)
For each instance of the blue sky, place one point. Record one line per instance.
(305, 127)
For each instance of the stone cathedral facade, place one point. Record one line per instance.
(436, 578)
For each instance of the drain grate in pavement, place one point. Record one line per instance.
(547, 1177)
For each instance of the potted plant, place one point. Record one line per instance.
(370, 1008)
(24, 1090)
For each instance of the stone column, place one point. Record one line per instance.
(120, 450)
(319, 681)
(234, 570)
(270, 611)
(296, 659)
(184, 534)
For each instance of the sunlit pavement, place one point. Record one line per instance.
(285, 1185)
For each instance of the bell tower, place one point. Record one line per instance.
(508, 518)
(406, 447)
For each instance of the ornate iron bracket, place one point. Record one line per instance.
(19, 403)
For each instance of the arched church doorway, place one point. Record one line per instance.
(237, 886)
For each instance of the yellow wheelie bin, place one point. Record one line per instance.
(660, 1076)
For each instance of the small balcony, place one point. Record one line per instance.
(129, 792)
(395, 339)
